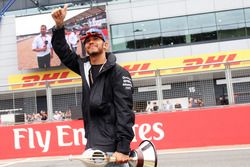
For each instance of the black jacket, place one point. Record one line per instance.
(107, 106)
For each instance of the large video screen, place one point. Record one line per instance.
(30, 39)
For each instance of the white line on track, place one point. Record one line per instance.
(15, 162)
(38, 159)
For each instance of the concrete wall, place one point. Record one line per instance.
(139, 10)
(8, 49)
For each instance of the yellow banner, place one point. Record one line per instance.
(188, 63)
(185, 64)
(62, 75)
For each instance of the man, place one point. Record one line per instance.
(155, 107)
(106, 91)
(73, 40)
(149, 107)
(67, 33)
(85, 28)
(168, 106)
(42, 45)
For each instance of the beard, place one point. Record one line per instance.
(95, 53)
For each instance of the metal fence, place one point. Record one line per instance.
(161, 90)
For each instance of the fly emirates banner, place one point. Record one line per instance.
(167, 130)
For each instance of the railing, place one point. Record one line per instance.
(161, 90)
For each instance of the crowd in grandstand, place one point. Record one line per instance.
(193, 103)
(43, 116)
(167, 105)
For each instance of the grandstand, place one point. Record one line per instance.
(185, 57)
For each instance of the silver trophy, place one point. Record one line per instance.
(144, 156)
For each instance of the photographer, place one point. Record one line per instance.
(42, 45)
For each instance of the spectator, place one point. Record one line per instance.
(57, 116)
(67, 33)
(155, 107)
(29, 118)
(190, 102)
(68, 114)
(193, 103)
(168, 106)
(200, 102)
(196, 103)
(44, 115)
(73, 40)
(85, 28)
(37, 117)
(149, 108)
(177, 105)
(222, 100)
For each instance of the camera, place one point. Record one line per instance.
(46, 42)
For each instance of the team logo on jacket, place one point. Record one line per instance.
(127, 82)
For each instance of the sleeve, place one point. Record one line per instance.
(34, 43)
(123, 101)
(50, 44)
(61, 48)
(75, 39)
(71, 38)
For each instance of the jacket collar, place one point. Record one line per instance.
(111, 61)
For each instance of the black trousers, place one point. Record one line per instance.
(44, 62)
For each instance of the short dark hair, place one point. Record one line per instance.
(43, 25)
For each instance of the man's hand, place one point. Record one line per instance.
(59, 15)
(120, 158)
(44, 48)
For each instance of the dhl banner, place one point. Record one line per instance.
(35, 77)
(189, 63)
(185, 65)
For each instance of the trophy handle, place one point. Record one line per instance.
(111, 159)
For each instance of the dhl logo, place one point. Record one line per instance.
(210, 59)
(28, 79)
(47, 76)
(139, 67)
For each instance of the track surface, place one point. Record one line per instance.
(234, 156)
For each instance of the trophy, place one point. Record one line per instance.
(144, 156)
